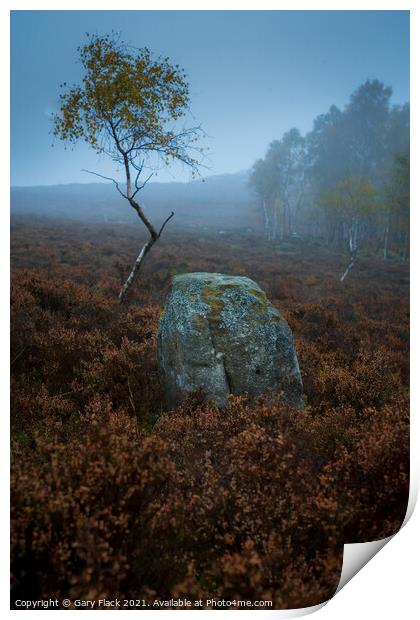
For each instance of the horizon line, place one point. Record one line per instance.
(202, 178)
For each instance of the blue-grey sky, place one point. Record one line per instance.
(253, 75)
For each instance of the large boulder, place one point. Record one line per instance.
(219, 334)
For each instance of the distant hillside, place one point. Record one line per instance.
(222, 201)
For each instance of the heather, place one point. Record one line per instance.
(112, 495)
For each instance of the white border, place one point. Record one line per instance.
(387, 586)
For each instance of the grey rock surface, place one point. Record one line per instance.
(220, 334)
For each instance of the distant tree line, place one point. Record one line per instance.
(344, 184)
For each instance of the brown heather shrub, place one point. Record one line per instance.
(112, 496)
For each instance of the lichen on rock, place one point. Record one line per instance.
(220, 334)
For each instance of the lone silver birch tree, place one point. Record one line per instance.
(128, 107)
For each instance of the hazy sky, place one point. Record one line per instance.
(253, 75)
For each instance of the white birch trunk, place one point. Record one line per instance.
(353, 232)
(275, 222)
(266, 220)
(134, 270)
(345, 274)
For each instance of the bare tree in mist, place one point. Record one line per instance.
(279, 181)
(352, 204)
(346, 183)
(128, 107)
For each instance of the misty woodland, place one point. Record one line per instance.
(209, 381)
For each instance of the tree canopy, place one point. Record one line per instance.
(128, 103)
(129, 106)
(344, 181)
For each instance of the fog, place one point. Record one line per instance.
(300, 133)
(252, 74)
(209, 345)
(214, 202)
(345, 183)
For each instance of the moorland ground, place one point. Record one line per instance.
(114, 496)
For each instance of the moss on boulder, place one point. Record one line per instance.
(220, 334)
